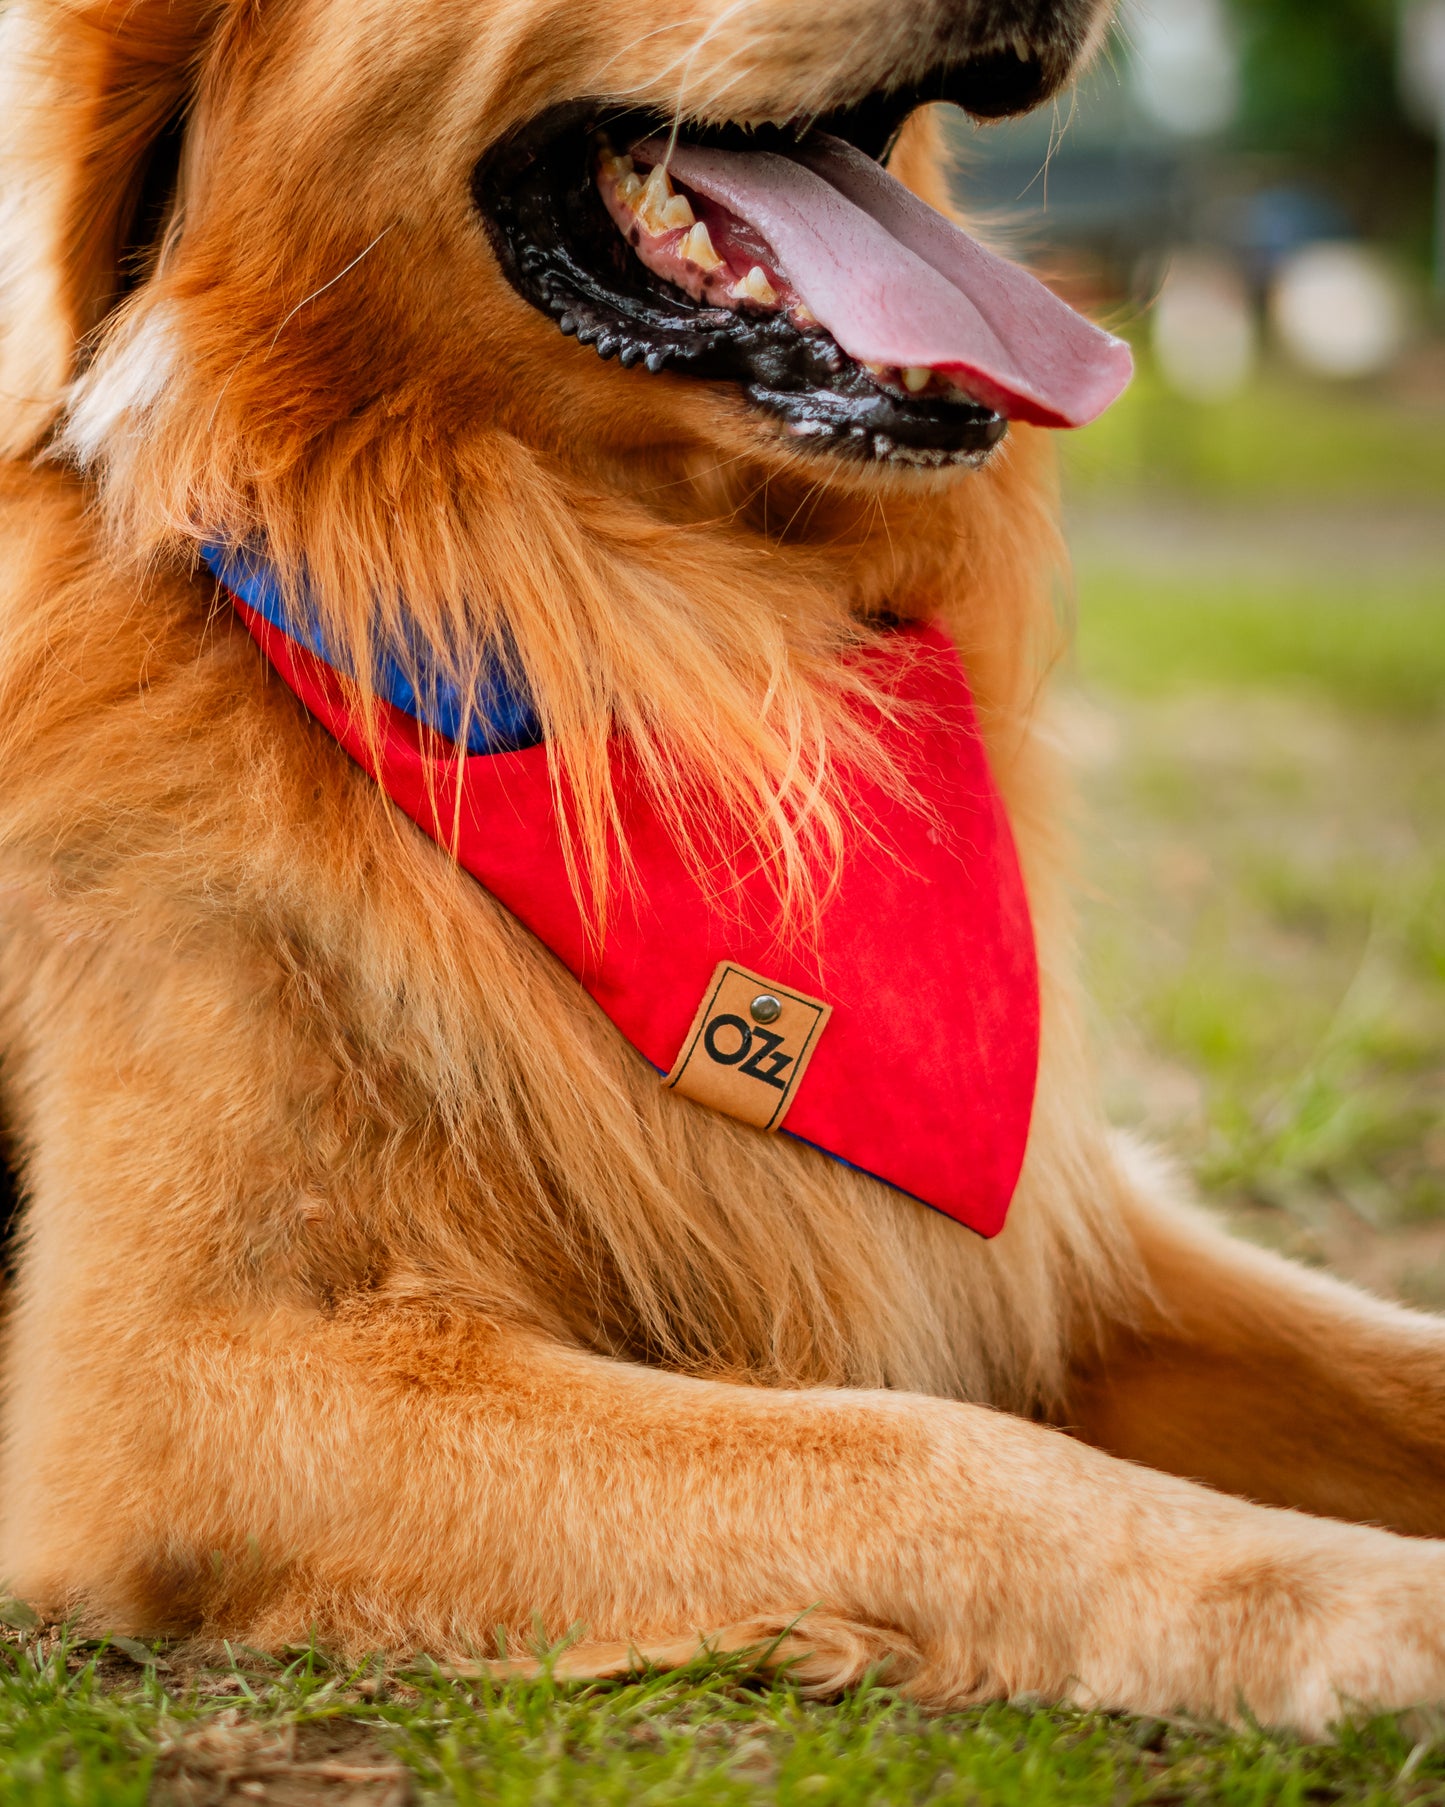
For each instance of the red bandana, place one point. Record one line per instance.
(900, 1036)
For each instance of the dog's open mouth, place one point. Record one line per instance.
(787, 259)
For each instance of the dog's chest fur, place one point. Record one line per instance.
(407, 1078)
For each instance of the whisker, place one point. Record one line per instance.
(305, 301)
(316, 294)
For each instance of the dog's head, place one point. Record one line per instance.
(407, 289)
(358, 209)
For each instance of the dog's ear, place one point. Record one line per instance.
(92, 96)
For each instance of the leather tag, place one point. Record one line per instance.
(748, 1047)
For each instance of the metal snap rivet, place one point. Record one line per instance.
(765, 1009)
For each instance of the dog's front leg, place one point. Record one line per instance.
(407, 1476)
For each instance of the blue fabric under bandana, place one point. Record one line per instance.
(501, 718)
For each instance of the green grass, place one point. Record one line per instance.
(84, 1727)
(1283, 438)
(1378, 650)
(1261, 717)
(1264, 931)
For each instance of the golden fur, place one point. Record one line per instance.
(368, 1281)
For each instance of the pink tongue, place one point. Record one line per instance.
(896, 283)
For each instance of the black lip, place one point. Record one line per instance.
(562, 252)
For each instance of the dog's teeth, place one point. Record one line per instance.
(678, 212)
(755, 287)
(656, 193)
(878, 370)
(698, 248)
(803, 315)
(915, 379)
(629, 188)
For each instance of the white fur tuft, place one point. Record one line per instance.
(111, 401)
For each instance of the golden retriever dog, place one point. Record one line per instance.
(367, 1281)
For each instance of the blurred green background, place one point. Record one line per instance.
(1257, 712)
(1257, 701)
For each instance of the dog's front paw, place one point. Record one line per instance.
(1383, 1649)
